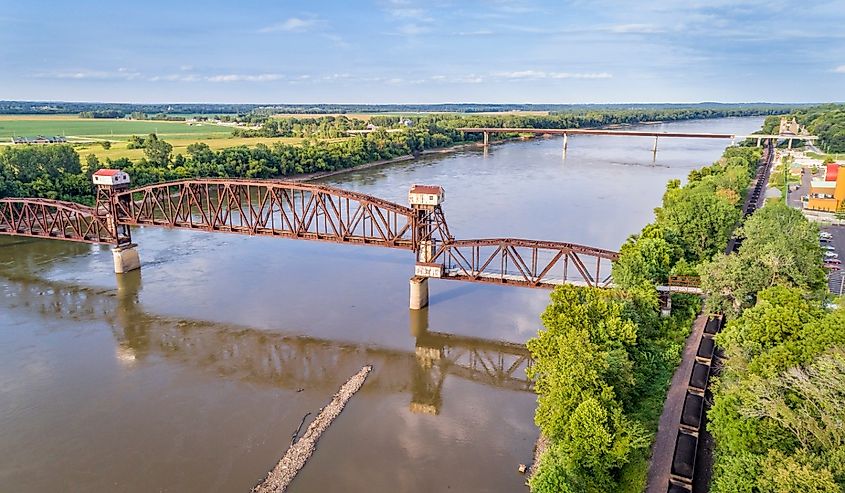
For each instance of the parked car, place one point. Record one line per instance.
(824, 240)
(829, 255)
(832, 261)
(825, 234)
(828, 248)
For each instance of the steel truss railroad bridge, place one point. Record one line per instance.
(297, 210)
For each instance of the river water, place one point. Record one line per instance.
(192, 374)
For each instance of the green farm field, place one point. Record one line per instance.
(180, 146)
(85, 134)
(103, 129)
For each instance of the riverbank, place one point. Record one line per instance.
(400, 159)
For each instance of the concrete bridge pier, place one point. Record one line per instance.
(665, 304)
(565, 144)
(758, 141)
(126, 258)
(486, 139)
(419, 292)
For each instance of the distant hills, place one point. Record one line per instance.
(63, 107)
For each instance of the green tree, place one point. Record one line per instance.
(780, 247)
(157, 151)
(701, 220)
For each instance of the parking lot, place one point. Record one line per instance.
(836, 278)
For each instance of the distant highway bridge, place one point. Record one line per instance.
(566, 132)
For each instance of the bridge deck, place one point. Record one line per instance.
(628, 133)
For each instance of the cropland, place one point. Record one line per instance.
(87, 134)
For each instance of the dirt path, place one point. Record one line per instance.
(667, 427)
(294, 459)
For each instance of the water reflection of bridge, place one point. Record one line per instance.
(273, 358)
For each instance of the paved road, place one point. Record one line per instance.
(795, 195)
(835, 279)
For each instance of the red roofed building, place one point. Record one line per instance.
(110, 177)
(832, 172)
(426, 195)
(828, 194)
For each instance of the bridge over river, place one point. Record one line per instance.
(295, 210)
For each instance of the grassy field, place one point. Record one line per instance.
(119, 150)
(85, 134)
(104, 129)
(835, 157)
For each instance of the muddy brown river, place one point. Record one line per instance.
(191, 374)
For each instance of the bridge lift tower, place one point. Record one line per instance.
(109, 183)
(430, 224)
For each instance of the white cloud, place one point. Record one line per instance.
(174, 78)
(119, 74)
(412, 29)
(294, 24)
(478, 32)
(635, 29)
(840, 69)
(245, 77)
(538, 74)
(405, 9)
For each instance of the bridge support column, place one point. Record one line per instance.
(666, 305)
(789, 145)
(126, 258)
(758, 141)
(654, 147)
(565, 144)
(486, 139)
(419, 292)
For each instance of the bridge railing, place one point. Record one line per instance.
(529, 263)
(685, 281)
(56, 219)
(270, 208)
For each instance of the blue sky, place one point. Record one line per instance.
(410, 51)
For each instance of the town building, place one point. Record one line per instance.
(40, 139)
(828, 193)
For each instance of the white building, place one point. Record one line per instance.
(110, 177)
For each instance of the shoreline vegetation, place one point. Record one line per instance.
(604, 360)
(57, 171)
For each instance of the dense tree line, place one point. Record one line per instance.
(53, 172)
(446, 123)
(65, 107)
(102, 114)
(604, 358)
(56, 171)
(279, 160)
(779, 405)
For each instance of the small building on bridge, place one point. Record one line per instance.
(110, 177)
(426, 195)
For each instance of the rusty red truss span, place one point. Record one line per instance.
(530, 263)
(270, 208)
(45, 218)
